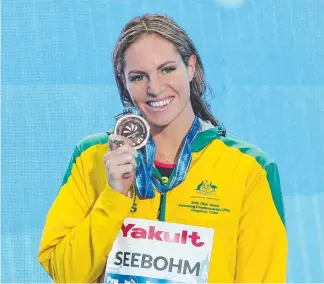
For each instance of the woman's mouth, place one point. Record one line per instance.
(160, 105)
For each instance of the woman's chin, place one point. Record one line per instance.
(160, 122)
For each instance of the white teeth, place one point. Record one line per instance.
(160, 103)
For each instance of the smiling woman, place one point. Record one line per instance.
(193, 191)
(172, 50)
(161, 92)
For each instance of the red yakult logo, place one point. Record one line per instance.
(163, 236)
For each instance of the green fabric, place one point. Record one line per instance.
(204, 138)
(157, 174)
(162, 208)
(274, 183)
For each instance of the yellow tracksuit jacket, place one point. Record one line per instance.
(231, 186)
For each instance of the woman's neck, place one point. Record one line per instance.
(168, 140)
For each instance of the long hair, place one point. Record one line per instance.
(165, 27)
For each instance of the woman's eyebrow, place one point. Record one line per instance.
(158, 68)
(163, 64)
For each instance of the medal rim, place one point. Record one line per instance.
(127, 116)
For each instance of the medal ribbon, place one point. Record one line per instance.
(144, 172)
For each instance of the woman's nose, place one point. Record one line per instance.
(155, 87)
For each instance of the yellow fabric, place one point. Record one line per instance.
(225, 189)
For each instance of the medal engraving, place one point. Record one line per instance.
(133, 127)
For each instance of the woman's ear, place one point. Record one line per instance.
(192, 66)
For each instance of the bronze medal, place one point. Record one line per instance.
(133, 127)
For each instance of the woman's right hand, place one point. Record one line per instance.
(120, 164)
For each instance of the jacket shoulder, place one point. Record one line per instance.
(91, 140)
(246, 148)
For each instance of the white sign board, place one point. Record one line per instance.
(147, 251)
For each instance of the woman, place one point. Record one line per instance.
(228, 186)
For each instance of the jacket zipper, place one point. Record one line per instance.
(161, 212)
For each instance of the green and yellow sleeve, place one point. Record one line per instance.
(262, 242)
(80, 229)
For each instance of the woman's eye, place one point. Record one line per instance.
(137, 78)
(168, 69)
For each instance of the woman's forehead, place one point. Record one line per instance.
(150, 50)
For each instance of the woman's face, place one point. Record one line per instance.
(158, 80)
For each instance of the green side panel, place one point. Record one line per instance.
(274, 183)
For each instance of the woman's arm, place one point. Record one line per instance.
(78, 233)
(262, 241)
